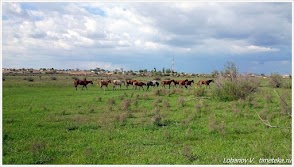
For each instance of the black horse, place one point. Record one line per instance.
(152, 83)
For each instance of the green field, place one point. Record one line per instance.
(48, 122)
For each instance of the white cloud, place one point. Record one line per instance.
(252, 49)
(188, 29)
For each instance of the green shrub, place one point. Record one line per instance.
(239, 88)
(200, 91)
(53, 78)
(29, 79)
(287, 84)
(232, 86)
(276, 81)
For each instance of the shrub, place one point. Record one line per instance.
(53, 78)
(111, 101)
(216, 126)
(287, 84)
(276, 81)
(157, 78)
(99, 99)
(166, 104)
(232, 86)
(157, 92)
(126, 104)
(186, 151)
(156, 118)
(30, 79)
(182, 101)
(200, 91)
(240, 88)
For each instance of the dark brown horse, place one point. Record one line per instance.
(183, 83)
(167, 82)
(188, 83)
(104, 83)
(138, 83)
(82, 82)
(176, 82)
(205, 82)
(129, 82)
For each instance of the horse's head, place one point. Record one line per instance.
(91, 82)
(192, 81)
(109, 81)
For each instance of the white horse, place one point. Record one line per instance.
(117, 83)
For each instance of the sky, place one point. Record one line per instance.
(200, 37)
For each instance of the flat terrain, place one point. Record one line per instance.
(48, 122)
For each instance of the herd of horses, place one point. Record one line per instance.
(140, 84)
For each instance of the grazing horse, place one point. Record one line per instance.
(104, 83)
(176, 83)
(167, 82)
(183, 83)
(81, 82)
(152, 83)
(129, 82)
(189, 82)
(138, 83)
(117, 83)
(206, 82)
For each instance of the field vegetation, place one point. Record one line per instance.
(46, 121)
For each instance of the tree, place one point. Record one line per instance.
(163, 70)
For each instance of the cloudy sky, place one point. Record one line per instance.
(201, 37)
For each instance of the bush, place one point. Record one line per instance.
(53, 78)
(232, 86)
(276, 81)
(287, 84)
(199, 91)
(239, 88)
(157, 78)
(29, 79)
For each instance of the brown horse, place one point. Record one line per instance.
(138, 83)
(188, 83)
(205, 82)
(104, 83)
(167, 82)
(183, 83)
(82, 82)
(129, 82)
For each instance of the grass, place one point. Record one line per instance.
(49, 122)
